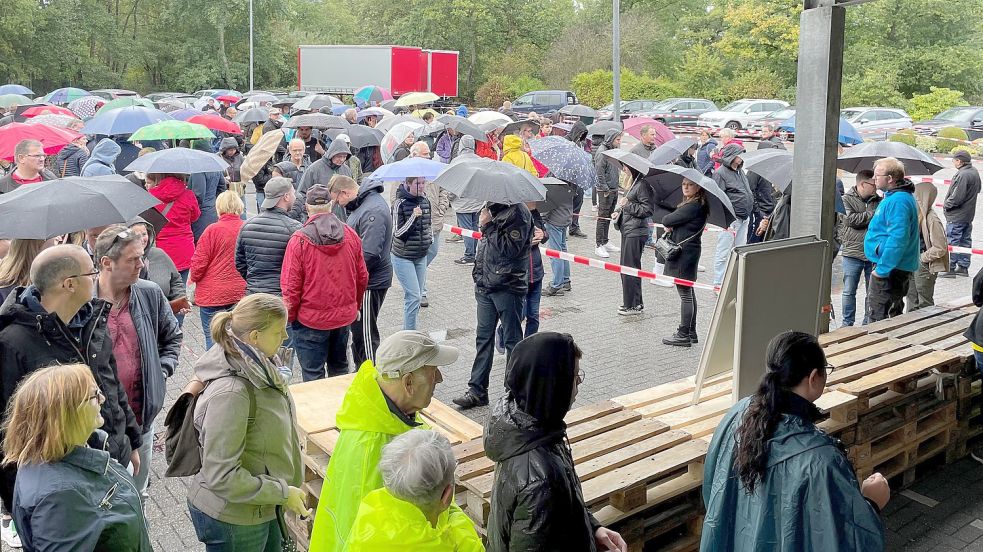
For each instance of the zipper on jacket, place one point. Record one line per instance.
(129, 482)
(107, 501)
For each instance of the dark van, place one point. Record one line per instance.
(542, 101)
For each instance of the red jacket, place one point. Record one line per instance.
(324, 274)
(176, 238)
(213, 266)
(486, 149)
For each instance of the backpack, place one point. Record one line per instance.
(182, 442)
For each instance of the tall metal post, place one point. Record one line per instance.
(251, 87)
(616, 58)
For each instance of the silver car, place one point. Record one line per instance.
(876, 122)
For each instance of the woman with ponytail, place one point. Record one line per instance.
(776, 482)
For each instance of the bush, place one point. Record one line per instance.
(971, 151)
(755, 83)
(958, 138)
(500, 88)
(906, 136)
(596, 88)
(927, 144)
(926, 106)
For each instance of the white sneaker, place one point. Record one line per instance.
(611, 247)
(8, 533)
(602, 252)
(701, 268)
(662, 283)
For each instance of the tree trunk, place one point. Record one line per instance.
(221, 52)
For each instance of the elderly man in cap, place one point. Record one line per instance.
(263, 239)
(384, 401)
(416, 508)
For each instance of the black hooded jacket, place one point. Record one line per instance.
(372, 220)
(537, 502)
(502, 259)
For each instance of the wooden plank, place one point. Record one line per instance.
(899, 373)
(318, 401)
(955, 327)
(875, 364)
(324, 441)
(658, 494)
(469, 450)
(645, 471)
(682, 401)
(590, 412)
(960, 302)
(841, 335)
(863, 354)
(466, 428)
(623, 456)
(888, 324)
(618, 438)
(695, 413)
(678, 388)
(854, 344)
(593, 427)
(957, 343)
(704, 428)
(928, 323)
(841, 407)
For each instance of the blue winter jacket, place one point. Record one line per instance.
(101, 161)
(892, 235)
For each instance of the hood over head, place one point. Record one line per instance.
(728, 154)
(462, 110)
(151, 231)
(610, 136)
(202, 145)
(466, 144)
(289, 170)
(228, 143)
(511, 142)
(578, 132)
(105, 152)
(367, 188)
(336, 147)
(925, 196)
(169, 189)
(324, 229)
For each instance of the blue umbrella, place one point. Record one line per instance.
(411, 167)
(65, 95)
(178, 161)
(848, 136)
(126, 120)
(565, 160)
(185, 114)
(339, 109)
(15, 89)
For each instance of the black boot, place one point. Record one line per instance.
(678, 339)
(693, 337)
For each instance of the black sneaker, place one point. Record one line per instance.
(631, 311)
(464, 261)
(693, 337)
(567, 286)
(962, 271)
(678, 340)
(468, 400)
(577, 233)
(947, 274)
(551, 291)
(454, 238)
(424, 302)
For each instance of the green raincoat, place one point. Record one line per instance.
(385, 523)
(809, 499)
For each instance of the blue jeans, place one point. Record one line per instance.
(559, 268)
(468, 221)
(960, 234)
(146, 452)
(530, 311)
(316, 348)
(260, 198)
(206, 314)
(853, 268)
(184, 278)
(492, 308)
(219, 536)
(412, 275)
(726, 241)
(431, 255)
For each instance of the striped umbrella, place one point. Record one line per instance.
(368, 94)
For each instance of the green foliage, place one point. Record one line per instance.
(926, 143)
(876, 86)
(906, 136)
(756, 83)
(968, 149)
(596, 88)
(497, 89)
(957, 137)
(926, 106)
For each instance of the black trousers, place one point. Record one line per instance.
(631, 255)
(687, 310)
(606, 202)
(365, 330)
(578, 202)
(885, 296)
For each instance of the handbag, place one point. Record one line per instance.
(668, 250)
(287, 542)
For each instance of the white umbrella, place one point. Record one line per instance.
(483, 117)
(395, 137)
(417, 98)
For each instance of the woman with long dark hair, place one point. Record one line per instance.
(774, 481)
(685, 227)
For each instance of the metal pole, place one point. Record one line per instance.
(616, 59)
(251, 87)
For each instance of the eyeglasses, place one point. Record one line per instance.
(829, 369)
(90, 274)
(97, 395)
(36, 155)
(880, 175)
(581, 376)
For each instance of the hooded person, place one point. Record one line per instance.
(179, 206)
(462, 111)
(608, 178)
(71, 159)
(537, 502)
(730, 177)
(513, 153)
(288, 170)
(228, 148)
(334, 161)
(578, 135)
(101, 162)
(933, 248)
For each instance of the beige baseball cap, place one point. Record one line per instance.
(409, 350)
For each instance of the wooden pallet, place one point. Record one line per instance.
(913, 444)
(674, 526)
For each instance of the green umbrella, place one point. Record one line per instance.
(126, 101)
(172, 130)
(10, 100)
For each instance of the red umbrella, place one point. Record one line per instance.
(52, 109)
(633, 126)
(215, 122)
(228, 98)
(52, 139)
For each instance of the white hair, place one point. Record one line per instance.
(417, 466)
(727, 133)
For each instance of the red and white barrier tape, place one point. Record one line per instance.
(595, 263)
(968, 250)
(657, 225)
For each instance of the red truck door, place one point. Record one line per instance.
(405, 70)
(443, 73)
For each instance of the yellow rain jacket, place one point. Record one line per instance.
(512, 153)
(386, 523)
(366, 425)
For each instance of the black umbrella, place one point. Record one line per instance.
(512, 128)
(315, 102)
(634, 162)
(318, 120)
(463, 126)
(578, 110)
(601, 128)
(774, 165)
(668, 181)
(253, 115)
(494, 181)
(668, 152)
(65, 205)
(863, 156)
(361, 136)
(286, 101)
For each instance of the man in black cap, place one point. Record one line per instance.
(959, 208)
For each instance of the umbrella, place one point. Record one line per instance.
(338, 109)
(368, 94)
(561, 129)
(388, 104)
(578, 110)
(494, 181)
(486, 116)
(361, 136)
(66, 205)
(65, 95)
(172, 104)
(416, 98)
(47, 109)
(492, 126)
(315, 102)
(260, 97)
(172, 130)
(15, 89)
(633, 126)
(226, 92)
(512, 128)
(847, 135)
(52, 138)
(377, 111)
(464, 126)
(86, 107)
(601, 128)
(863, 156)
(421, 112)
(280, 102)
(388, 123)
(10, 100)
(668, 152)
(50, 119)
(178, 161)
(565, 160)
(317, 120)
(396, 136)
(774, 165)
(127, 101)
(667, 180)
(186, 113)
(260, 154)
(411, 167)
(216, 122)
(229, 98)
(634, 162)
(126, 120)
(558, 193)
(254, 115)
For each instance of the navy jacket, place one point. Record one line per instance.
(369, 215)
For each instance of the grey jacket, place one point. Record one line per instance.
(960, 200)
(734, 183)
(85, 501)
(160, 268)
(853, 224)
(320, 172)
(560, 198)
(642, 150)
(607, 169)
(7, 183)
(246, 466)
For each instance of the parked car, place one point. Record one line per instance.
(630, 108)
(738, 115)
(876, 122)
(158, 96)
(775, 118)
(542, 101)
(969, 118)
(113, 93)
(680, 111)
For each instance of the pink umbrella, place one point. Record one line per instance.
(52, 139)
(633, 126)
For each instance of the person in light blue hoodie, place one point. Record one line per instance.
(891, 242)
(103, 157)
